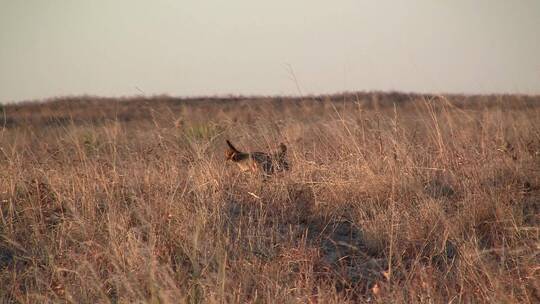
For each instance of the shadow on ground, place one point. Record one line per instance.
(341, 256)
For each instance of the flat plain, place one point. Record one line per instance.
(391, 198)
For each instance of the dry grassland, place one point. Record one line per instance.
(391, 199)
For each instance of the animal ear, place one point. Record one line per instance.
(231, 151)
(231, 147)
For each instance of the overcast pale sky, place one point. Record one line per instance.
(194, 47)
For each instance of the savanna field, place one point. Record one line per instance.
(391, 198)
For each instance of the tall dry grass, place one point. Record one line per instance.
(432, 200)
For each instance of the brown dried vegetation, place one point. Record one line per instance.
(391, 198)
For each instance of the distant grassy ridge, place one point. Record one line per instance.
(92, 109)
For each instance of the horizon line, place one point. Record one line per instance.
(259, 96)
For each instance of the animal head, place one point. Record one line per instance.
(281, 158)
(231, 151)
(283, 148)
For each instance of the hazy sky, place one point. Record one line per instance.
(195, 47)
